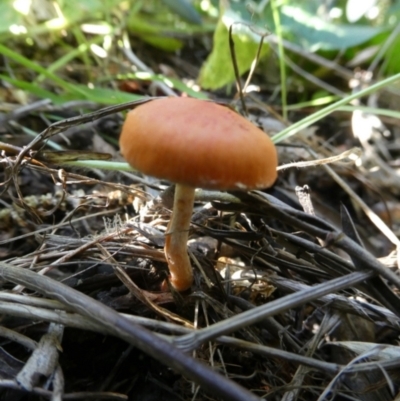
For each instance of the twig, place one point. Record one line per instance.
(134, 334)
(196, 339)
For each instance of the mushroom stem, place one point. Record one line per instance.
(181, 273)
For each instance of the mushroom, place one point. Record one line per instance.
(195, 143)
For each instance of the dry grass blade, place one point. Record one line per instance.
(194, 340)
(130, 332)
(54, 312)
(86, 395)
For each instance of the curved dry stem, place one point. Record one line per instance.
(181, 273)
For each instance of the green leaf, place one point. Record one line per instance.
(185, 10)
(82, 92)
(218, 70)
(315, 33)
(153, 33)
(77, 10)
(106, 95)
(163, 43)
(34, 89)
(392, 65)
(31, 65)
(9, 17)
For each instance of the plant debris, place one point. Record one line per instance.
(296, 288)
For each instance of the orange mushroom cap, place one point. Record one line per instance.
(198, 143)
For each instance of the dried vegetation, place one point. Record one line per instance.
(295, 295)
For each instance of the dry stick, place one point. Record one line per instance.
(315, 58)
(87, 395)
(18, 338)
(295, 358)
(60, 126)
(270, 323)
(295, 386)
(329, 368)
(81, 322)
(236, 68)
(336, 301)
(58, 314)
(134, 334)
(44, 359)
(321, 229)
(197, 338)
(376, 220)
(59, 225)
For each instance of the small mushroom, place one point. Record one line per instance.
(195, 144)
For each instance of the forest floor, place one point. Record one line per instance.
(296, 291)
